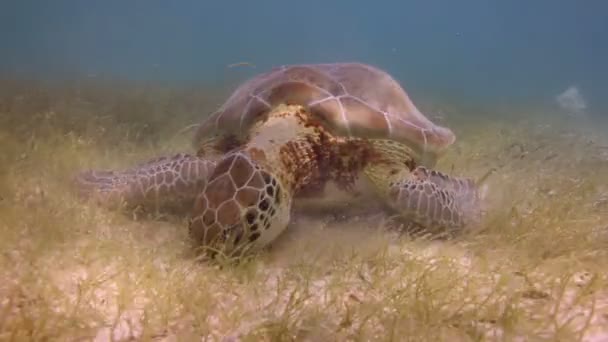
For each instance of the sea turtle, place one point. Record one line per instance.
(285, 134)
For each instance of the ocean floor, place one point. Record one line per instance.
(534, 270)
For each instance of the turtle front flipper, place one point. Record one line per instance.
(434, 200)
(170, 183)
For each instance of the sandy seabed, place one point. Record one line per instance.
(70, 271)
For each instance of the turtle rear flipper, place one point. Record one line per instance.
(162, 183)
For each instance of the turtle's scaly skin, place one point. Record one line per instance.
(434, 199)
(162, 182)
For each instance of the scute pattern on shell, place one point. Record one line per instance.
(351, 99)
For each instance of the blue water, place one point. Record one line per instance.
(478, 50)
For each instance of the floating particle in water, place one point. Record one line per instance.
(241, 64)
(572, 101)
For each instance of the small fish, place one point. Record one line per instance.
(241, 64)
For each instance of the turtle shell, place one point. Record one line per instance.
(351, 99)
